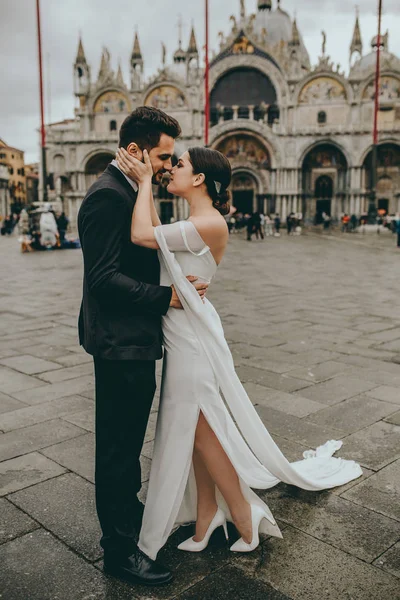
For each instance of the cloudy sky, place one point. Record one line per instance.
(112, 24)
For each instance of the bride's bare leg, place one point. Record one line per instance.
(206, 500)
(221, 471)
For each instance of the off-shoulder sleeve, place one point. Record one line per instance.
(183, 236)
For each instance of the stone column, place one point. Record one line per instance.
(235, 109)
(251, 112)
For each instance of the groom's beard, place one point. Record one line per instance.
(161, 178)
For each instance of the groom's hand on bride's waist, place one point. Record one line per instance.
(200, 287)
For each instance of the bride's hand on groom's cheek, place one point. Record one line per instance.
(133, 167)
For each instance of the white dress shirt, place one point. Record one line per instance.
(130, 181)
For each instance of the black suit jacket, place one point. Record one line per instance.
(122, 305)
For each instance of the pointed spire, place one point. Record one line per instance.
(80, 56)
(356, 43)
(192, 49)
(242, 9)
(105, 71)
(119, 80)
(295, 41)
(136, 51)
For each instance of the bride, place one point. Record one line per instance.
(210, 446)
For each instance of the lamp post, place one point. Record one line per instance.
(372, 210)
(206, 81)
(42, 128)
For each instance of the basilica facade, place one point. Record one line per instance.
(299, 136)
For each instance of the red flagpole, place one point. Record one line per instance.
(207, 84)
(377, 73)
(372, 210)
(42, 128)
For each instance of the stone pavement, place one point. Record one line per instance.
(314, 326)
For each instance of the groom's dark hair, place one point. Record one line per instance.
(145, 125)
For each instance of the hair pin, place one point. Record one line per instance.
(218, 186)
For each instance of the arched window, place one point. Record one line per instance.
(113, 125)
(321, 117)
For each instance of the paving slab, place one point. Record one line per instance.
(30, 365)
(305, 568)
(353, 414)
(336, 390)
(84, 419)
(394, 419)
(66, 507)
(390, 560)
(24, 471)
(290, 404)
(77, 455)
(64, 374)
(72, 360)
(320, 372)
(7, 403)
(380, 492)
(11, 381)
(295, 429)
(35, 437)
(48, 391)
(374, 446)
(231, 583)
(13, 522)
(45, 351)
(38, 567)
(269, 379)
(30, 415)
(386, 393)
(335, 520)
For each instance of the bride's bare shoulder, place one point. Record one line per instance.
(211, 227)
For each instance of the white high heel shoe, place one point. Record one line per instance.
(191, 546)
(257, 515)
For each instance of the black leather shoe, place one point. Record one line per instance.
(137, 568)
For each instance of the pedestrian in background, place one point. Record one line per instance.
(268, 226)
(397, 225)
(289, 223)
(277, 224)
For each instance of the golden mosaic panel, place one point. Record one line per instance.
(112, 102)
(246, 147)
(166, 97)
(322, 90)
(389, 89)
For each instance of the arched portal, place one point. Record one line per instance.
(242, 91)
(95, 166)
(324, 182)
(251, 166)
(244, 189)
(323, 197)
(388, 177)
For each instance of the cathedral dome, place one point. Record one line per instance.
(366, 65)
(279, 27)
(277, 23)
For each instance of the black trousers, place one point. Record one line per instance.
(124, 395)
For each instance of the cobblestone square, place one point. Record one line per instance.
(313, 322)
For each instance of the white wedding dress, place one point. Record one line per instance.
(199, 375)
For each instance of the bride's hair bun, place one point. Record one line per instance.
(223, 202)
(218, 174)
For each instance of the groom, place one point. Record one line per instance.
(120, 325)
